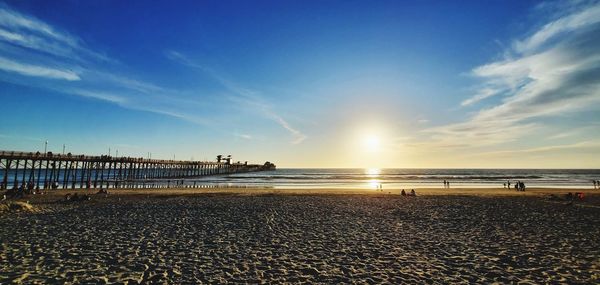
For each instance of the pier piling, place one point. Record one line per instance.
(48, 170)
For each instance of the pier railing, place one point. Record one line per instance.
(35, 170)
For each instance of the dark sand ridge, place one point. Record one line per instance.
(256, 235)
(57, 194)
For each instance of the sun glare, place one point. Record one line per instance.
(372, 143)
(373, 172)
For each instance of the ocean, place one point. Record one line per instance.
(406, 178)
(344, 178)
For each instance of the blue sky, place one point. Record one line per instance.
(306, 83)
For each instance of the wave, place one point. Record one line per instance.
(383, 177)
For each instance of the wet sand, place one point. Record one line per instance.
(189, 236)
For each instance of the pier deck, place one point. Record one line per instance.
(35, 170)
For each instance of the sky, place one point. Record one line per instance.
(388, 84)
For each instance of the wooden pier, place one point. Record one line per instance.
(37, 170)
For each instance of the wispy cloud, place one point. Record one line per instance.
(129, 83)
(577, 131)
(552, 148)
(298, 136)
(553, 72)
(240, 95)
(228, 84)
(32, 52)
(28, 32)
(37, 71)
(98, 95)
(573, 22)
(481, 94)
(81, 71)
(477, 133)
(244, 136)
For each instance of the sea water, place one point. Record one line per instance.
(344, 178)
(407, 178)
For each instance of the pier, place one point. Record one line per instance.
(35, 170)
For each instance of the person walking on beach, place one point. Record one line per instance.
(448, 184)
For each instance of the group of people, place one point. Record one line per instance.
(446, 184)
(412, 193)
(519, 185)
(577, 195)
(596, 184)
(19, 191)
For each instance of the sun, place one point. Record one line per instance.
(372, 143)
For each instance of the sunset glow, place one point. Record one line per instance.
(372, 143)
(306, 84)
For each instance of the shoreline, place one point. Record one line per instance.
(53, 195)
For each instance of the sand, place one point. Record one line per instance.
(266, 236)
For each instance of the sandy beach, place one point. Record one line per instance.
(457, 236)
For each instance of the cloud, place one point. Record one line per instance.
(553, 72)
(228, 84)
(298, 136)
(78, 70)
(129, 83)
(37, 71)
(15, 20)
(31, 33)
(241, 95)
(57, 54)
(244, 136)
(99, 95)
(481, 94)
(476, 133)
(571, 23)
(577, 131)
(586, 145)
